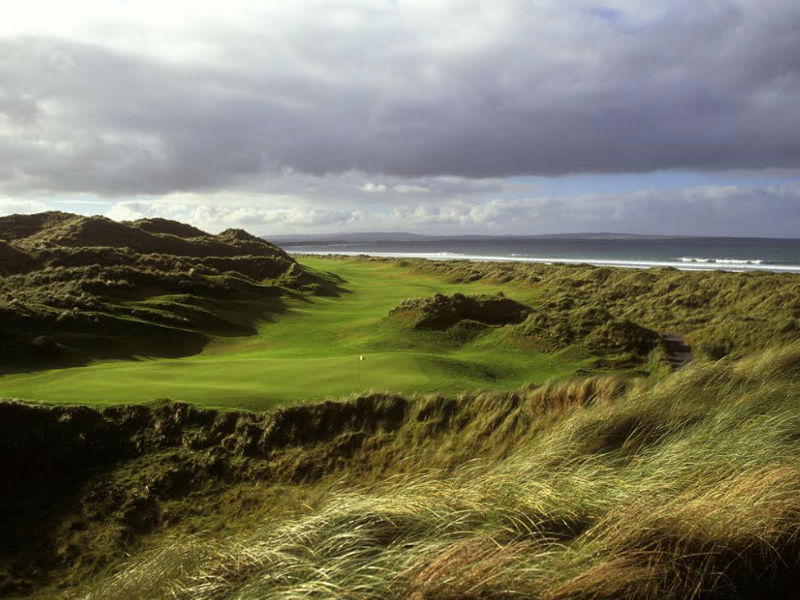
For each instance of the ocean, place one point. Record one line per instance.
(691, 253)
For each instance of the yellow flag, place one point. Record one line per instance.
(360, 357)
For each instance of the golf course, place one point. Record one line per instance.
(313, 349)
(206, 417)
(352, 300)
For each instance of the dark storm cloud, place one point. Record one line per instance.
(468, 91)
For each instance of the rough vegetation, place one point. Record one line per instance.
(553, 326)
(442, 312)
(717, 312)
(75, 288)
(682, 484)
(686, 487)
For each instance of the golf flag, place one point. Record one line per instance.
(360, 357)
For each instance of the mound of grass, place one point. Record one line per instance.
(686, 487)
(594, 328)
(83, 288)
(718, 312)
(442, 312)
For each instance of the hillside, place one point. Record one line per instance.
(444, 326)
(529, 439)
(76, 288)
(719, 313)
(593, 329)
(597, 488)
(311, 350)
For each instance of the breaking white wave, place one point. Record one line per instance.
(694, 265)
(735, 261)
(722, 261)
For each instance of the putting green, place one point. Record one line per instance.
(312, 352)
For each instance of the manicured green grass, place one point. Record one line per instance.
(312, 352)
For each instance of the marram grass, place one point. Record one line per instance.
(684, 488)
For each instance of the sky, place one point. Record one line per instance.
(428, 116)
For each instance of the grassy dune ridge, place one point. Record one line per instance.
(717, 312)
(75, 288)
(687, 487)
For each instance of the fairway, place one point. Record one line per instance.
(312, 352)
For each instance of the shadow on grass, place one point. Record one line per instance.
(129, 329)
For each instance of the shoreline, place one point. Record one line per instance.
(598, 262)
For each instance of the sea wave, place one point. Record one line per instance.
(723, 261)
(709, 265)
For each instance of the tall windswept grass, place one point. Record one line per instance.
(559, 396)
(687, 488)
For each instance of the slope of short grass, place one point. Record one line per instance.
(76, 289)
(312, 351)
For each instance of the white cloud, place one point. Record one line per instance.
(373, 187)
(710, 210)
(216, 217)
(10, 206)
